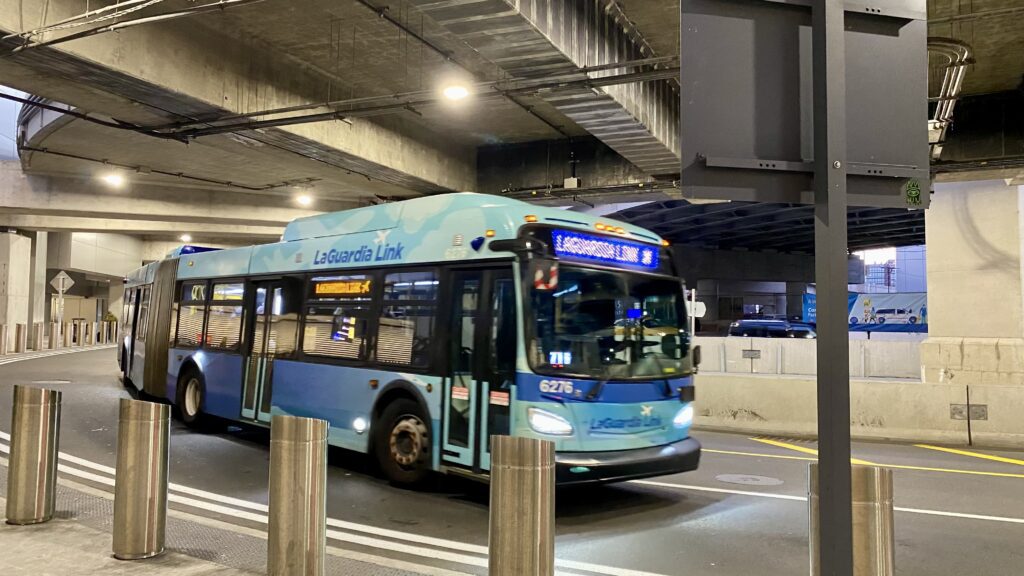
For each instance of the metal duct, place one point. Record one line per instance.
(537, 38)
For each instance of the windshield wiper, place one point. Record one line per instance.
(596, 388)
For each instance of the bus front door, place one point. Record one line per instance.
(271, 333)
(481, 356)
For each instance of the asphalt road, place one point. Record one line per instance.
(743, 512)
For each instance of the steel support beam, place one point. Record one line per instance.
(835, 555)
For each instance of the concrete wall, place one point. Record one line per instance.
(15, 266)
(98, 253)
(975, 289)
(890, 410)
(786, 356)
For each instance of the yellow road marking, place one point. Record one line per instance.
(805, 450)
(853, 460)
(972, 454)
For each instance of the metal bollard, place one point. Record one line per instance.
(37, 337)
(140, 485)
(3, 339)
(66, 335)
(32, 470)
(874, 550)
(103, 333)
(54, 342)
(297, 527)
(522, 518)
(20, 338)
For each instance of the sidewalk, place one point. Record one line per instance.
(78, 542)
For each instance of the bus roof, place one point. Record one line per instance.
(421, 230)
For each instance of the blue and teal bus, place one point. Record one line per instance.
(420, 328)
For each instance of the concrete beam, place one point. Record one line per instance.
(171, 72)
(84, 199)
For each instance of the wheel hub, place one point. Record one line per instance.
(192, 397)
(408, 440)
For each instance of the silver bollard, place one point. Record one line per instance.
(874, 549)
(54, 342)
(32, 470)
(20, 338)
(3, 339)
(66, 335)
(297, 537)
(522, 517)
(140, 485)
(102, 333)
(38, 342)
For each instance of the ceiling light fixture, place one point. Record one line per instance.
(185, 238)
(304, 200)
(113, 179)
(455, 92)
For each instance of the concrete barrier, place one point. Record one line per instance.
(997, 415)
(796, 356)
(787, 406)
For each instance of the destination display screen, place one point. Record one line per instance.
(602, 249)
(342, 288)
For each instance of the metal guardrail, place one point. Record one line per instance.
(32, 469)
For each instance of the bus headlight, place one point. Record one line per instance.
(684, 417)
(547, 423)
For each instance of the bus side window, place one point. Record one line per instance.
(191, 313)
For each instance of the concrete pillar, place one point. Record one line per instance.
(15, 252)
(975, 309)
(37, 293)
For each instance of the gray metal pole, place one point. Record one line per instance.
(20, 338)
(830, 273)
(874, 543)
(297, 537)
(32, 470)
(140, 486)
(522, 517)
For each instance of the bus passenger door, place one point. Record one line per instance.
(270, 333)
(481, 355)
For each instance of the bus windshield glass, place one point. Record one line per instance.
(607, 325)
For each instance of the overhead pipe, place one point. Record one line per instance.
(958, 57)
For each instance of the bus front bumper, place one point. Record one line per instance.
(619, 465)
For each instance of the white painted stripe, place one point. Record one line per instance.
(719, 490)
(1006, 519)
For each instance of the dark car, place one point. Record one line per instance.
(771, 329)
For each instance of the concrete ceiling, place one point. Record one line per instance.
(994, 29)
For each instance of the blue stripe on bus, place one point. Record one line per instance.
(536, 388)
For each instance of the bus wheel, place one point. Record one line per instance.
(190, 398)
(402, 442)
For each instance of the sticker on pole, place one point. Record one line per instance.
(62, 282)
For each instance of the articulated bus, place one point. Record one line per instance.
(420, 328)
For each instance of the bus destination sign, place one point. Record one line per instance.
(342, 288)
(602, 249)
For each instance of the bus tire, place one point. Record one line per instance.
(190, 395)
(402, 442)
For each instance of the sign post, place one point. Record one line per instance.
(62, 282)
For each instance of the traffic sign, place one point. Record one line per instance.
(62, 282)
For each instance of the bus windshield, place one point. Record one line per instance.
(607, 325)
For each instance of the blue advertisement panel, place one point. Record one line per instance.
(901, 312)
